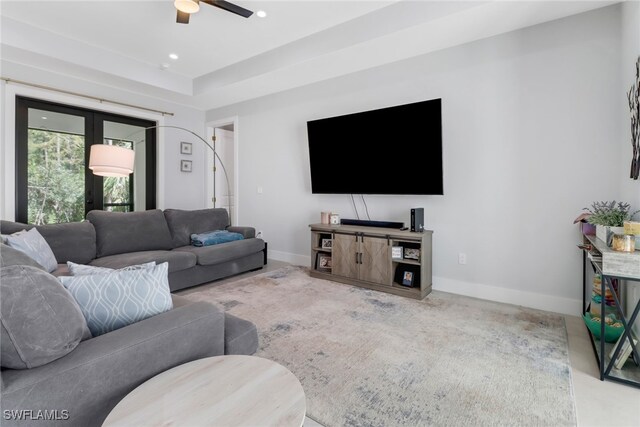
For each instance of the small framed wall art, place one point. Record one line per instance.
(186, 166)
(186, 148)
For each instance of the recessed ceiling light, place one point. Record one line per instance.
(261, 14)
(44, 118)
(173, 56)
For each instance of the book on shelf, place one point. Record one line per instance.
(625, 351)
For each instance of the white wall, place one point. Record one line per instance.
(630, 29)
(530, 131)
(176, 189)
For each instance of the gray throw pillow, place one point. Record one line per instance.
(10, 256)
(83, 270)
(33, 244)
(114, 300)
(40, 321)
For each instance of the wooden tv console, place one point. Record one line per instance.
(362, 256)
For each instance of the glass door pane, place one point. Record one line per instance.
(56, 167)
(125, 194)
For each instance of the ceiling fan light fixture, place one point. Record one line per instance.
(187, 6)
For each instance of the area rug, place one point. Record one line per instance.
(367, 358)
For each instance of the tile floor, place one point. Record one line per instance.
(598, 403)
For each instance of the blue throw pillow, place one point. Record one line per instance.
(112, 301)
(214, 238)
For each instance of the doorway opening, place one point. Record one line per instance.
(222, 188)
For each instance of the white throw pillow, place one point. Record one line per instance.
(83, 269)
(33, 244)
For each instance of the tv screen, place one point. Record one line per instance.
(394, 150)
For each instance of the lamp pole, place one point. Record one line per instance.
(211, 147)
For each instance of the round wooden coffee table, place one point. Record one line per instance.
(216, 391)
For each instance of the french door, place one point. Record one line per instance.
(53, 181)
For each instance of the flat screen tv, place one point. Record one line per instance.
(394, 150)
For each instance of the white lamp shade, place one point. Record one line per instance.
(187, 6)
(110, 160)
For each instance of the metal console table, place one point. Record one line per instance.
(630, 375)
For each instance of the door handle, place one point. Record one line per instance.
(360, 257)
(357, 258)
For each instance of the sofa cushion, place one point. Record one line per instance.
(69, 241)
(33, 244)
(40, 320)
(217, 254)
(182, 224)
(240, 336)
(83, 270)
(111, 301)
(177, 260)
(10, 256)
(123, 232)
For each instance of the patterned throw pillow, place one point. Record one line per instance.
(114, 300)
(83, 270)
(33, 244)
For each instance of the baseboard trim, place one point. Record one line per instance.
(294, 259)
(544, 302)
(476, 290)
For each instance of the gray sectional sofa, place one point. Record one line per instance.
(90, 380)
(116, 240)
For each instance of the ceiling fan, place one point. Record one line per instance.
(187, 7)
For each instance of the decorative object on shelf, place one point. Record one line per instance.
(612, 328)
(186, 148)
(324, 262)
(412, 253)
(327, 243)
(596, 297)
(633, 227)
(186, 166)
(634, 107)
(624, 243)
(625, 351)
(334, 219)
(396, 252)
(609, 218)
(585, 227)
(324, 217)
(407, 278)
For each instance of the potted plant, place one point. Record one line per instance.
(609, 218)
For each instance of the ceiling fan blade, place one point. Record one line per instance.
(229, 7)
(183, 18)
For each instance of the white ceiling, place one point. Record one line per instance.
(226, 59)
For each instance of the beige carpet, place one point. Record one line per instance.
(367, 358)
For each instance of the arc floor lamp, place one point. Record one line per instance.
(111, 160)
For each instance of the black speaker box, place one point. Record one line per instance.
(417, 219)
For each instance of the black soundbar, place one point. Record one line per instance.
(368, 223)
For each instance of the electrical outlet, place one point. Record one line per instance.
(259, 190)
(462, 258)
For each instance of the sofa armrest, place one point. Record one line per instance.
(247, 232)
(93, 378)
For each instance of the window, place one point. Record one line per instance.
(53, 183)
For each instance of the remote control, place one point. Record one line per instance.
(404, 228)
